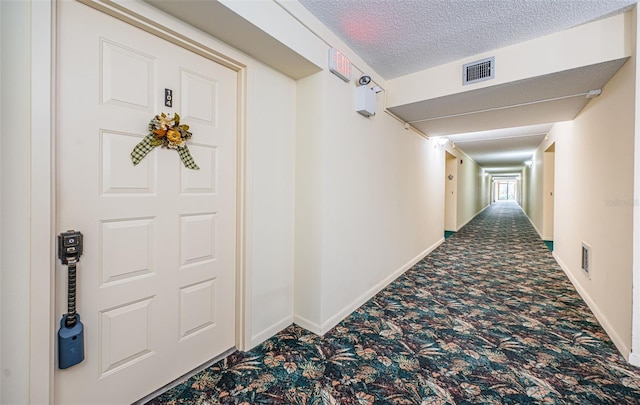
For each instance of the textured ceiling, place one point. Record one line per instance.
(494, 125)
(398, 37)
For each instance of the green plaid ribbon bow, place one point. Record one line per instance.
(159, 126)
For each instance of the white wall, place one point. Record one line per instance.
(548, 191)
(451, 192)
(382, 201)
(2, 68)
(14, 216)
(634, 358)
(26, 245)
(539, 190)
(272, 117)
(369, 201)
(471, 188)
(533, 204)
(594, 158)
(308, 200)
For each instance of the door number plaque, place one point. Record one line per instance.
(168, 97)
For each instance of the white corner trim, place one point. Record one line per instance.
(634, 357)
(41, 240)
(269, 332)
(355, 304)
(602, 319)
(307, 324)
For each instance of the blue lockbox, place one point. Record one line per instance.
(70, 343)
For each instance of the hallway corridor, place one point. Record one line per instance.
(487, 318)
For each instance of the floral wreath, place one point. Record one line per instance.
(167, 132)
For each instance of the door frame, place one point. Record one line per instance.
(42, 317)
(450, 204)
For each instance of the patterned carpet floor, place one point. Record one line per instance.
(486, 318)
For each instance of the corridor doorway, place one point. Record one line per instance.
(450, 192)
(505, 191)
(548, 189)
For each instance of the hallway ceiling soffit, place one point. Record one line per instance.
(214, 18)
(506, 110)
(425, 114)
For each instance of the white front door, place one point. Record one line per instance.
(156, 282)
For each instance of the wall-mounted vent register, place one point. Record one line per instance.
(586, 259)
(479, 71)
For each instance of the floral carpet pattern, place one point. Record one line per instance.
(486, 318)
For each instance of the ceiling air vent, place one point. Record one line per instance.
(478, 71)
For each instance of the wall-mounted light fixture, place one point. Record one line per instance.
(529, 163)
(366, 96)
(439, 141)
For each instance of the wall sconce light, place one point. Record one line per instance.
(529, 163)
(439, 141)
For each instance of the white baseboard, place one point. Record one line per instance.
(475, 215)
(533, 225)
(307, 324)
(270, 331)
(604, 322)
(335, 319)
